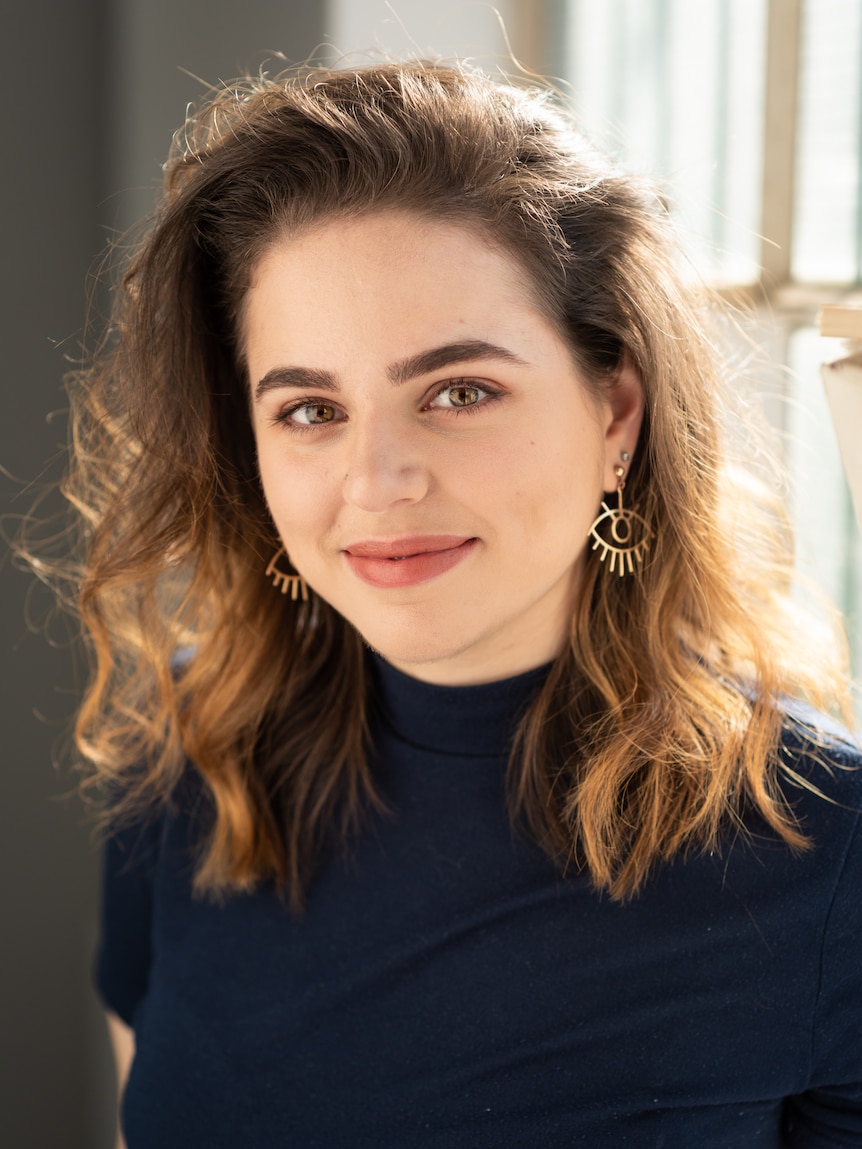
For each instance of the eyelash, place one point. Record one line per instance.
(285, 417)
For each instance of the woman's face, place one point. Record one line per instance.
(430, 454)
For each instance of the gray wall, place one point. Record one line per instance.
(92, 92)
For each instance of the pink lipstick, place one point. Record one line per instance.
(407, 561)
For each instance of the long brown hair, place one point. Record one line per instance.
(658, 723)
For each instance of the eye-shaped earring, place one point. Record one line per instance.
(630, 534)
(294, 583)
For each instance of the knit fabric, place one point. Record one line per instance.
(447, 988)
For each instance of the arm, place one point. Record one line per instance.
(123, 1042)
(123, 955)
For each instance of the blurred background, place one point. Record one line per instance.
(749, 111)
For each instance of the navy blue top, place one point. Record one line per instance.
(446, 988)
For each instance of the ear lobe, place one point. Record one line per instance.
(625, 405)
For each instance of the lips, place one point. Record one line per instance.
(407, 561)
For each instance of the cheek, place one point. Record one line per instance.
(295, 493)
(268, 469)
(561, 469)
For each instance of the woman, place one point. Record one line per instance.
(446, 671)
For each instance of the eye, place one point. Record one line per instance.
(311, 415)
(461, 395)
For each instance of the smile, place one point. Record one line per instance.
(407, 561)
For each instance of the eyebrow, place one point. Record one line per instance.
(468, 350)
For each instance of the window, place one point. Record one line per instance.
(751, 112)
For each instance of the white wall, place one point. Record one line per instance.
(363, 30)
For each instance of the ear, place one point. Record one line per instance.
(623, 407)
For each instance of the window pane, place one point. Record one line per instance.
(676, 90)
(826, 243)
(828, 539)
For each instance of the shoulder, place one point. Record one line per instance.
(820, 775)
(820, 751)
(136, 826)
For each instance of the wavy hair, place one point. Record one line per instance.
(659, 722)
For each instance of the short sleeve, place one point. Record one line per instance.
(123, 955)
(829, 1113)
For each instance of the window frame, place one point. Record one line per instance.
(782, 304)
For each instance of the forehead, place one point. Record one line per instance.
(392, 272)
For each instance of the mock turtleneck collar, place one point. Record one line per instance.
(473, 721)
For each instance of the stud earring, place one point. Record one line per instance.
(295, 583)
(630, 534)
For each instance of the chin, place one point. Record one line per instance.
(408, 654)
(421, 657)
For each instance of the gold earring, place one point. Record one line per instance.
(624, 527)
(293, 582)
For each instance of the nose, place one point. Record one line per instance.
(384, 468)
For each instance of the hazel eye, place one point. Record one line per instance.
(313, 414)
(459, 395)
(465, 395)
